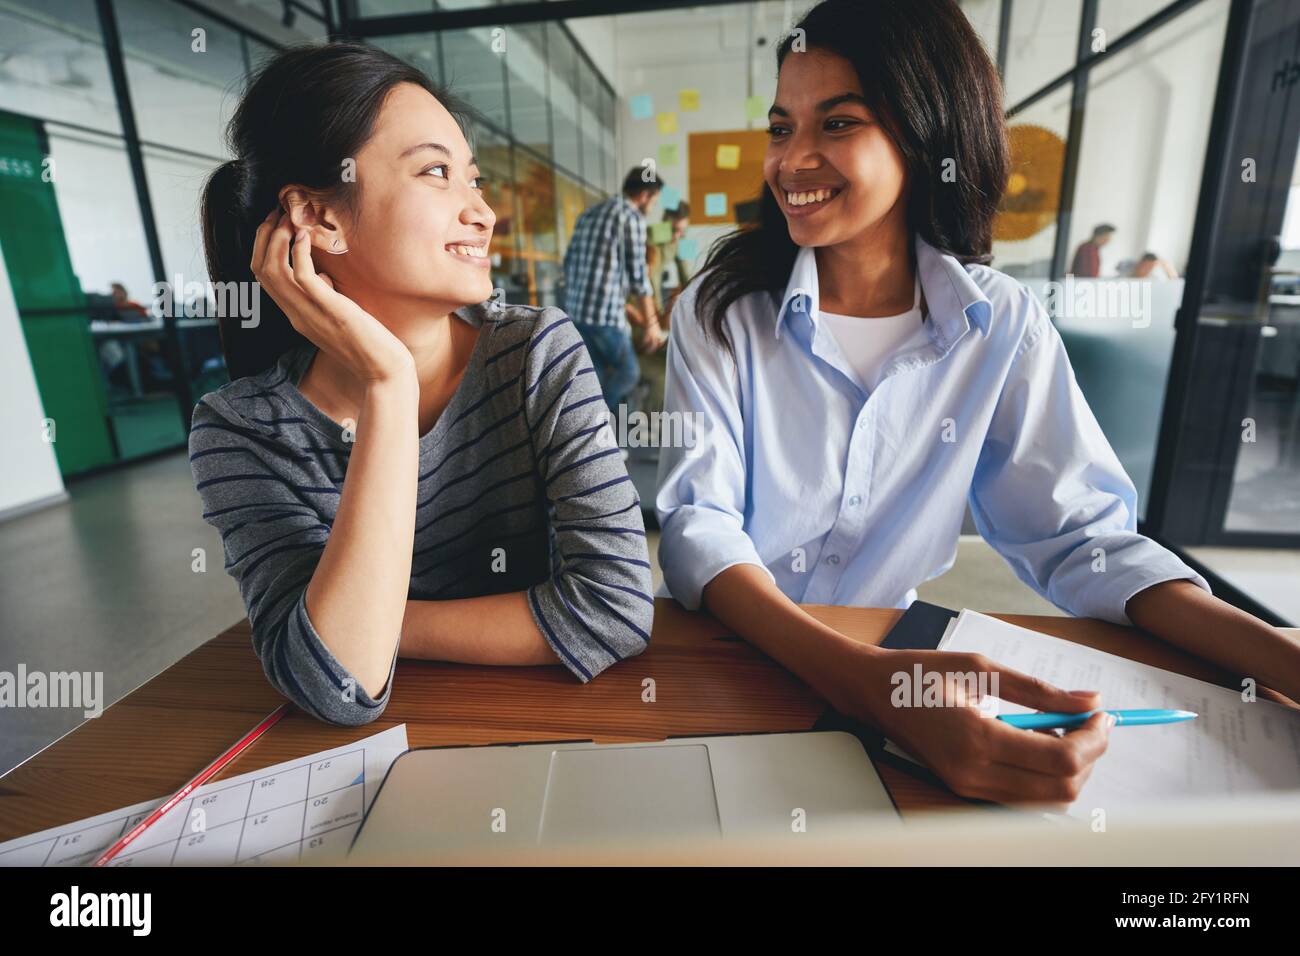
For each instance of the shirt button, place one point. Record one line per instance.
(862, 423)
(833, 559)
(855, 500)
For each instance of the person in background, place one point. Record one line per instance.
(1087, 258)
(127, 309)
(113, 355)
(661, 257)
(1148, 265)
(664, 256)
(604, 263)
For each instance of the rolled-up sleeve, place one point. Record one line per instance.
(596, 608)
(298, 663)
(1050, 495)
(272, 542)
(701, 498)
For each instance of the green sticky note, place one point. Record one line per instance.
(661, 232)
(755, 107)
(667, 154)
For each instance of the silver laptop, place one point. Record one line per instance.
(435, 800)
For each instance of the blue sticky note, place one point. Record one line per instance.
(688, 249)
(669, 198)
(642, 106)
(715, 204)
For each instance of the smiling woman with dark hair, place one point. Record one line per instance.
(862, 375)
(402, 463)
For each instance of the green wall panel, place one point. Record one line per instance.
(51, 304)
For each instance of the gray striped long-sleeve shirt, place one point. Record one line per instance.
(521, 487)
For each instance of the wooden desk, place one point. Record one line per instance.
(706, 682)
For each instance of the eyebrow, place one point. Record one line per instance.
(438, 147)
(826, 105)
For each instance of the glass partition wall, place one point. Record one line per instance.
(126, 101)
(1170, 278)
(130, 99)
(1149, 208)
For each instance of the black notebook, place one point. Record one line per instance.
(920, 628)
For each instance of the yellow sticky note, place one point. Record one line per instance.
(667, 154)
(728, 156)
(667, 122)
(688, 101)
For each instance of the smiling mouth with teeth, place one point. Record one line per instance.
(473, 252)
(811, 197)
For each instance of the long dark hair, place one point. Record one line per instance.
(926, 75)
(306, 111)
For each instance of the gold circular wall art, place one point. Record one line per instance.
(1034, 187)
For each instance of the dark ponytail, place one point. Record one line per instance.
(926, 74)
(228, 226)
(305, 112)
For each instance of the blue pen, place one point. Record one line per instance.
(1122, 717)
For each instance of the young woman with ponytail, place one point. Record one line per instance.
(401, 463)
(863, 374)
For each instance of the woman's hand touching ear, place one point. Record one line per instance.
(282, 264)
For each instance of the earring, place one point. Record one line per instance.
(335, 250)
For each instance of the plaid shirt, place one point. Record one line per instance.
(605, 261)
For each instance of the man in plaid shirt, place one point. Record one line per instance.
(604, 263)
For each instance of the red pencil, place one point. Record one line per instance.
(206, 774)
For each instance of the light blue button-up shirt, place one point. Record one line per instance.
(854, 498)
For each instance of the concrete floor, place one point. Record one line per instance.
(103, 582)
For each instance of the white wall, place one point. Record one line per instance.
(713, 50)
(100, 214)
(176, 187)
(1143, 146)
(30, 474)
(596, 36)
(1143, 149)
(1042, 42)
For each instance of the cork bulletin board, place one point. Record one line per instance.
(740, 184)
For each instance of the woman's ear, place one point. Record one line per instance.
(308, 210)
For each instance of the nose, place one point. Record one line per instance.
(800, 151)
(477, 212)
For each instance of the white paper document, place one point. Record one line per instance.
(1234, 747)
(304, 810)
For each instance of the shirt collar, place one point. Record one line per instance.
(951, 295)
